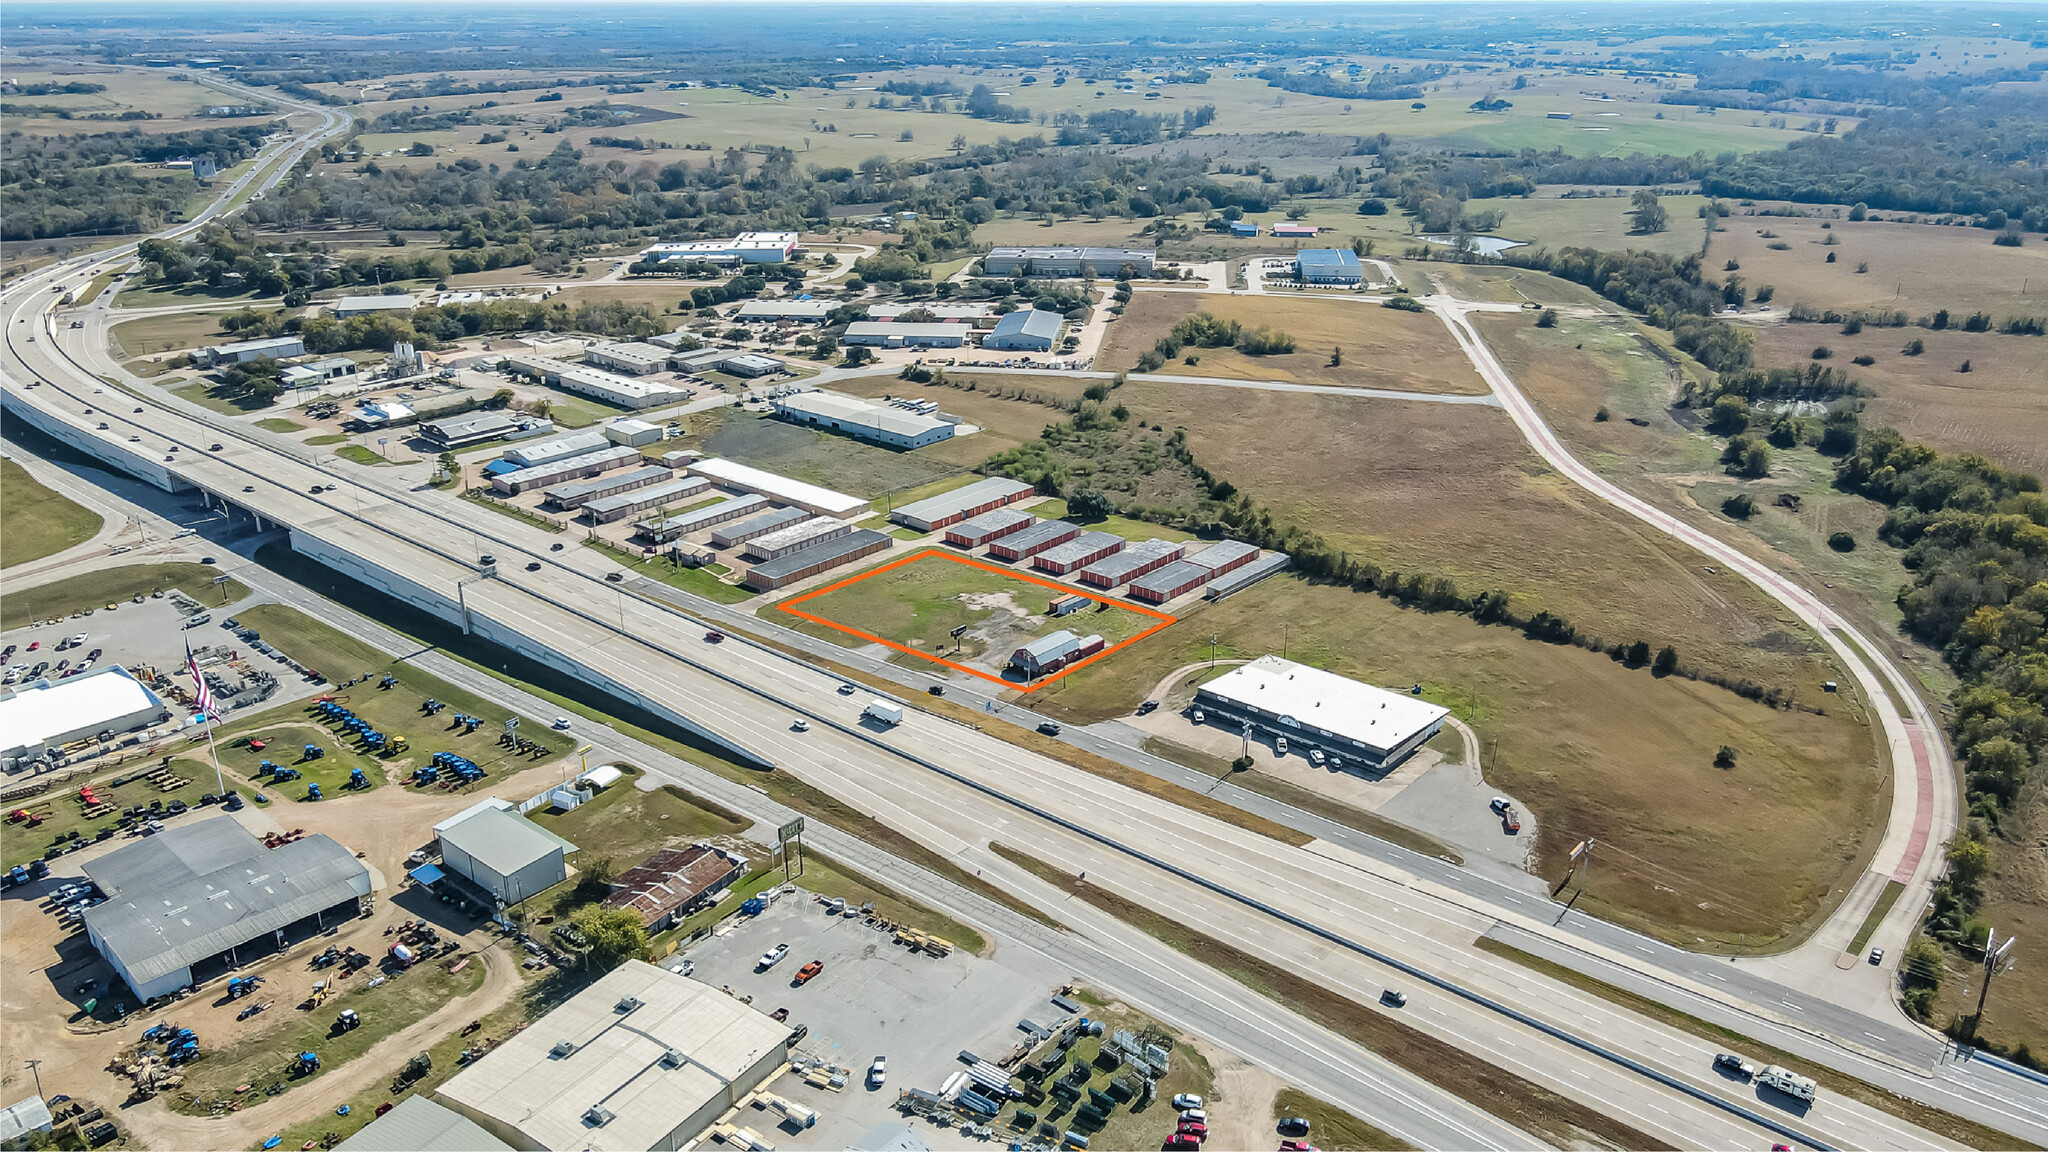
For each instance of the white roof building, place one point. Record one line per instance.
(1323, 709)
(42, 715)
(739, 477)
(641, 1059)
(867, 419)
(349, 306)
(749, 247)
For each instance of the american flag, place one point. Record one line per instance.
(202, 695)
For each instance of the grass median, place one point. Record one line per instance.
(1558, 1120)
(93, 591)
(36, 522)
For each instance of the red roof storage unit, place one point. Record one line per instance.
(1176, 579)
(1224, 556)
(1135, 561)
(1079, 552)
(1033, 540)
(989, 526)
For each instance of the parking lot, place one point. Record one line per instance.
(877, 998)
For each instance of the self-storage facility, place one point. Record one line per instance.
(935, 512)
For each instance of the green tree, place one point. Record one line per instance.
(857, 356)
(1090, 504)
(1638, 654)
(1725, 758)
(1647, 216)
(1739, 506)
(1730, 414)
(1968, 862)
(615, 934)
(1842, 542)
(1666, 662)
(1547, 318)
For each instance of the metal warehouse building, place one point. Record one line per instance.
(1328, 266)
(682, 524)
(502, 852)
(1176, 579)
(606, 509)
(747, 247)
(281, 348)
(43, 715)
(907, 335)
(1053, 651)
(640, 1059)
(569, 496)
(632, 357)
(572, 468)
(557, 448)
(417, 1124)
(948, 508)
(812, 310)
(727, 473)
(1033, 540)
(1224, 556)
(477, 427)
(624, 391)
(941, 311)
(785, 570)
(1079, 552)
(1026, 331)
(349, 306)
(1135, 561)
(760, 525)
(190, 894)
(881, 423)
(1050, 261)
(1322, 709)
(1239, 579)
(795, 538)
(989, 526)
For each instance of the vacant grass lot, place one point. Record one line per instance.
(225, 398)
(1704, 857)
(921, 603)
(1998, 409)
(1588, 222)
(837, 462)
(1382, 347)
(1914, 268)
(93, 591)
(1332, 1127)
(150, 335)
(175, 99)
(627, 824)
(36, 522)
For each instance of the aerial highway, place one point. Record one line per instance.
(951, 786)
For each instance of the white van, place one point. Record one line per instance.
(1787, 1081)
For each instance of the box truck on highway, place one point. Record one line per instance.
(883, 711)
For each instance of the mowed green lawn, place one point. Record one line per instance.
(93, 591)
(36, 522)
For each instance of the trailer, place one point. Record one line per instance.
(884, 712)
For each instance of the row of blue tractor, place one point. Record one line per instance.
(277, 772)
(180, 1044)
(374, 741)
(459, 767)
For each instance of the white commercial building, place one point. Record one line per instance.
(1319, 709)
(741, 478)
(279, 348)
(42, 716)
(745, 248)
(1026, 330)
(893, 312)
(558, 448)
(632, 357)
(642, 1059)
(868, 419)
(880, 335)
(349, 306)
(503, 853)
(635, 433)
(1068, 261)
(318, 372)
(811, 310)
(624, 391)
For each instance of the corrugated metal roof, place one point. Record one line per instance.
(192, 892)
(23, 1117)
(1327, 257)
(501, 840)
(1134, 557)
(1086, 544)
(960, 499)
(42, 709)
(1028, 322)
(418, 1124)
(1223, 552)
(1172, 576)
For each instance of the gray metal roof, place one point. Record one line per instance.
(961, 499)
(192, 892)
(824, 553)
(1172, 576)
(502, 840)
(1223, 552)
(1136, 556)
(1029, 322)
(418, 1124)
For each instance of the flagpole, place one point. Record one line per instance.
(202, 699)
(219, 784)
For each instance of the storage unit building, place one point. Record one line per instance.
(1033, 540)
(197, 892)
(1176, 579)
(1225, 556)
(1321, 709)
(1053, 651)
(1028, 330)
(754, 526)
(947, 508)
(683, 523)
(606, 509)
(1081, 551)
(879, 335)
(504, 853)
(727, 473)
(281, 348)
(782, 571)
(1131, 563)
(1068, 605)
(989, 526)
(570, 496)
(557, 471)
(1241, 578)
(1074, 261)
(629, 357)
(642, 1059)
(795, 538)
(1328, 266)
(881, 423)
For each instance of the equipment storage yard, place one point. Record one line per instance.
(874, 998)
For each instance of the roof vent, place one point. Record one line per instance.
(674, 1058)
(627, 1004)
(598, 1116)
(562, 1049)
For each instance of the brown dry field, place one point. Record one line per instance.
(1998, 409)
(1383, 347)
(127, 90)
(1959, 269)
(1698, 855)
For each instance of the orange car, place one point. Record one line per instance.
(805, 974)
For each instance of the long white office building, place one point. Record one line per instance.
(867, 419)
(745, 248)
(624, 391)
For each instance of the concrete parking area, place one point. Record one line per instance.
(876, 998)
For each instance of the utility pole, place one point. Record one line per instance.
(35, 1068)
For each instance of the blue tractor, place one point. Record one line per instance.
(313, 792)
(356, 780)
(315, 752)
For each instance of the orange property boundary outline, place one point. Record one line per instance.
(790, 606)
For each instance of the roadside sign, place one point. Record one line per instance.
(1579, 851)
(511, 722)
(221, 579)
(960, 631)
(790, 831)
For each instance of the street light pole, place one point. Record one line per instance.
(1996, 960)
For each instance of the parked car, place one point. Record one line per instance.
(1190, 1128)
(1185, 1101)
(1049, 728)
(1296, 1126)
(1730, 1062)
(878, 1071)
(808, 972)
(1147, 707)
(772, 957)
(1193, 1115)
(1876, 956)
